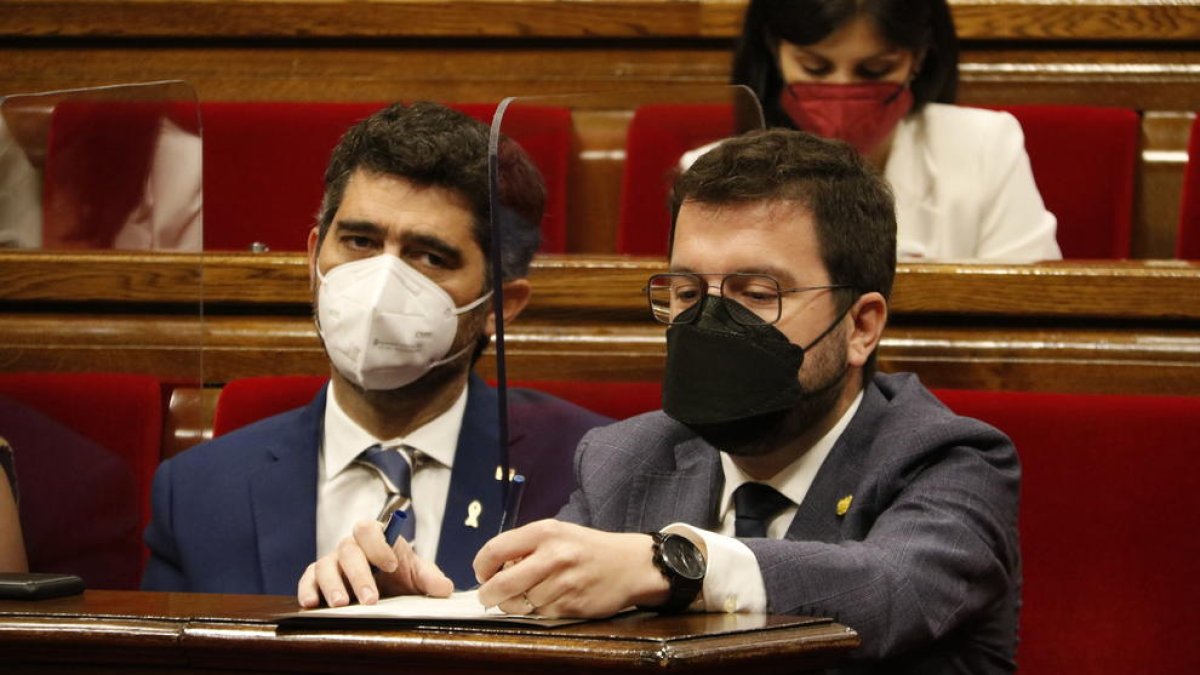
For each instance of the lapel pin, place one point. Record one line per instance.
(843, 504)
(474, 509)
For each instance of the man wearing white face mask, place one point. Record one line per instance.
(402, 302)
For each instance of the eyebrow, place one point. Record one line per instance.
(452, 254)
(783, 276)
(362, 227)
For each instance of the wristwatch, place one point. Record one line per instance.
(682, 563)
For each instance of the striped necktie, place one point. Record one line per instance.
(393, 465)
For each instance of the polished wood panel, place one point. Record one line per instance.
(1104, 327)
(106, 631)
(1153, 20)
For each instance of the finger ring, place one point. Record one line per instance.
(528, 603)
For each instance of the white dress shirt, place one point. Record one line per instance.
(733, 582)
(348, 492)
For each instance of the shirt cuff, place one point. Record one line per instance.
(732, 582)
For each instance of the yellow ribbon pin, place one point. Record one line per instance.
(474, 509)
(843, 504)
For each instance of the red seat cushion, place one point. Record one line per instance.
(1188, 243)
(85, 447)
(1108, 503)
(658, 136)
(264, 166)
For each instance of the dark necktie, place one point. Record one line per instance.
(394, 468)
(756, 504)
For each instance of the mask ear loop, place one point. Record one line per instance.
(508, 495)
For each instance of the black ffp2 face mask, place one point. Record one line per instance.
(728, 378)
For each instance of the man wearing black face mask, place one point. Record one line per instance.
(783, 474)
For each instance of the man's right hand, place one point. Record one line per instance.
(398, 571)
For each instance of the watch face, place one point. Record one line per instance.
(683, 557)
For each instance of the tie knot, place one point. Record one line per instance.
(393, 466)
(756, 504)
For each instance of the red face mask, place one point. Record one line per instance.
(861, 114)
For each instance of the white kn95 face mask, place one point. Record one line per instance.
(384, 323)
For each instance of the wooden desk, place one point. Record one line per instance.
(116, 631)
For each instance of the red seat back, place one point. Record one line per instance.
(250, 399)
(98, 157)
(1187, 245)
(264, 167)
(658, 136)
(89, 445)
(1084, 161)
(1108, 503)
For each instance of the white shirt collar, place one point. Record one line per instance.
(796, 478)
(344, 439)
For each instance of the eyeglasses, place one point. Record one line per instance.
(670, 295)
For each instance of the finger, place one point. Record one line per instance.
(509, 546)
(329, 581)
(306, 589)
(518, 578)
(357, 571)
(432, 581)
(368, 534)
(405, 579)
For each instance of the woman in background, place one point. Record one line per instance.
(882, 75)
(12, 548)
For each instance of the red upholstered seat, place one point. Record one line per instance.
(86, 446)
(264, 166)
(98, 156)
(1108, 510)
(658, 136)
(1084, 162)
(248, 400)
(1188, 244)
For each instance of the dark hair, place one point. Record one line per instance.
(432, 145)
(850, 202)
(911, 24)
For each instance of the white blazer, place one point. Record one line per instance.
(964, 189)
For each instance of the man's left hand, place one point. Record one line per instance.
(555, 569)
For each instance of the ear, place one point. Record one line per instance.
(516, 297)
(313, 251)
(869, 316)
(918, 62)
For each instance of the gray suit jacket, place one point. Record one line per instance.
(925, 563)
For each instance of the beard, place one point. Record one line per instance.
(821, 379)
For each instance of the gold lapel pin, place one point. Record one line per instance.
(474, 509)
(843, 504)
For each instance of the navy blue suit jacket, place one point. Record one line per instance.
(238, 514)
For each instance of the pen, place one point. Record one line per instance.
(512, 505)
(395, 526)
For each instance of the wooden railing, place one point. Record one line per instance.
(1110, 327)
(1139, 54)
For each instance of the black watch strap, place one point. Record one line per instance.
(681, 562)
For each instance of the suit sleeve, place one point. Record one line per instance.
(164, 569)
(1016, 226)
(942, 548)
